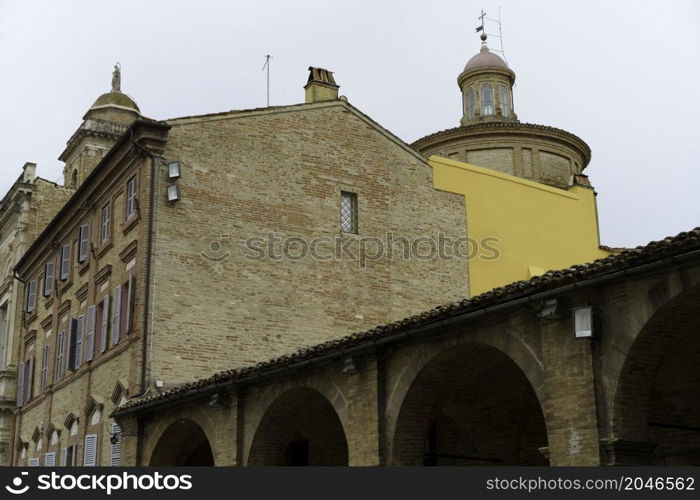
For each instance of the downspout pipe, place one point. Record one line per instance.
(147, 294)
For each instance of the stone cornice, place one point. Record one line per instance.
(505, 128)
(92, 128)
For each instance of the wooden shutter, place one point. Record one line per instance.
(60, 349)
(72, 337)
(90, 342)
(129, 304)
(34, 462)
(3, 334)
(90, 451)
(20, 384)
(79, 341)
(84, 242)
(64, 457)
(48, 279)
(105, 323)
(44, 367)
(50, 459)
(116, 317)
(116, 448)
(29, 380)
(65, 262)
(31, 296)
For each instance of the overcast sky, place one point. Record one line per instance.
(623, 76)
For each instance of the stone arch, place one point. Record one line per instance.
(181, 437)
(656, 405)
(470, 403)
(299, 427)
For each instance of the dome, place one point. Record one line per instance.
(485, 59)
(115, 99)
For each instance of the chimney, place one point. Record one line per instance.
(29, 173)
(321, 86)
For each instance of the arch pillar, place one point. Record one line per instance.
(570, 404)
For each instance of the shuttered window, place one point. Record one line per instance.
(20, 384)
(83, 242)
(34, 462)
(90, 340)
(50, 459)
(116, 447)
(31, 296)
(48, 279)
(131, 197)
(90, 451)
(44, 368)
(105, 323)
(29, 380)
(3, 334)
(72, 340)
(60, 350)
(79, 341)
(116, 316)
(68, 456)
(128, 304)
(106, 218)
(65, 262)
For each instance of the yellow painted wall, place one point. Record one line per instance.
(537, 227)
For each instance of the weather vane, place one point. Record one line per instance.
(482, 28)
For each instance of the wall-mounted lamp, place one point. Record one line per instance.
(584, 322)
(174, 170)
(349, 366)
(173, 193)
(551, 310)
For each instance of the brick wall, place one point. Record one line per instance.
(282, 171)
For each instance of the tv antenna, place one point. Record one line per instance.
(482, 28)
(267, 66)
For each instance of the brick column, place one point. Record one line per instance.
(570, 406)
(129, 441)
(362, 419)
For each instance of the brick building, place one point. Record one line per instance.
(251, 244)
(28, 206)
(592, 365)
(162, 266)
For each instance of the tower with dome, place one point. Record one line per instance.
(491, 135)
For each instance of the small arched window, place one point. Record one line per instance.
(504, 100)
(470, 103)
(486, 99)
(74, 179)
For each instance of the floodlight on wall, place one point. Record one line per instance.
(173, 193)
(550, 310)
(584, 322)
(174, 170)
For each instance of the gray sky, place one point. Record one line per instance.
(623, 76)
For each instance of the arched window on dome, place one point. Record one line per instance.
(504, 100)
(470, 103)
(486, 99)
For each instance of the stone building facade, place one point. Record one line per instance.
(592, 365)
(163, 266)
(28, 206)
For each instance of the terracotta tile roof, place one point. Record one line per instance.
(655, 251)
